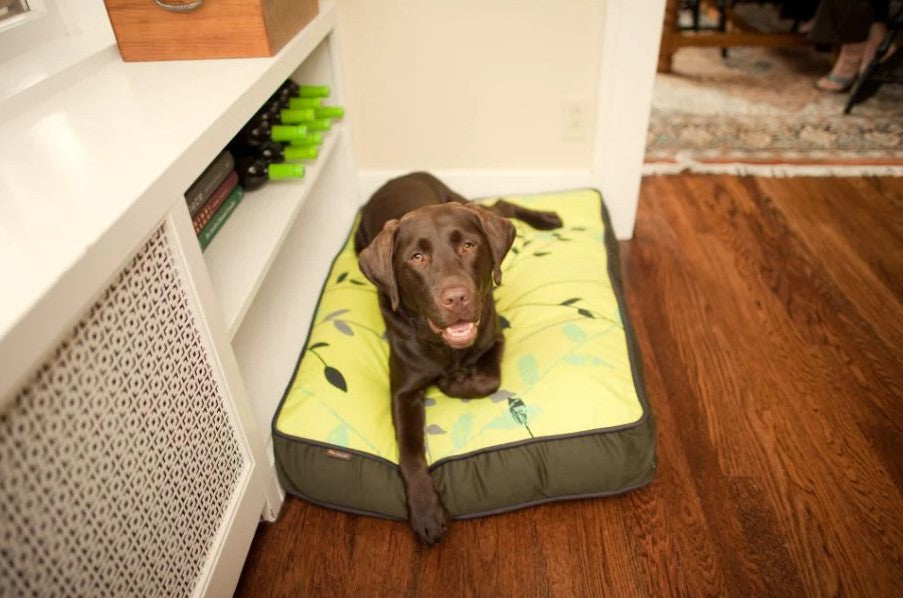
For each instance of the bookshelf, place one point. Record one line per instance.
(93, 170)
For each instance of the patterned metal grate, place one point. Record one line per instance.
(118, 458)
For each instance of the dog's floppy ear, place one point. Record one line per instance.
(500, 233)
(375, 261)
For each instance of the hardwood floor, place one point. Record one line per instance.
(770, 316)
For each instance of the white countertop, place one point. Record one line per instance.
(79, 154)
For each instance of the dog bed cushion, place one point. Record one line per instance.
(570, 420)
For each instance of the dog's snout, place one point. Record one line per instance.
(454, 298)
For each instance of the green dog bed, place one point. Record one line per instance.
(570, 420)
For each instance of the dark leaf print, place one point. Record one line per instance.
(571, 301)
(434, 429)
(341, 277)
(518, 410)
(541, 253)
(504, 322)
(586, 313)
(519, 413)
(317, 346)
(335, 378)
(343, 327)
(500, 395)
(357, 282)
(335, 314)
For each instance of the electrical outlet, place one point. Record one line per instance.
(575, 120)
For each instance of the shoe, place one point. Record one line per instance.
(835, 83)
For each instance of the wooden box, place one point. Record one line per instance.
(215, 29)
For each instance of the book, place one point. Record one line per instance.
(206, 184)
(219, 219)
(216, 200)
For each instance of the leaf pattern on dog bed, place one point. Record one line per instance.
(565, 370)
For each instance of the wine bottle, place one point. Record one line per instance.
(287, 90)
(293, 116)
(253, 173)
(309, 139)
(320, 124)
(302, 103)
(313, 91)
(328, 112)
(258, 132)
(287, 133)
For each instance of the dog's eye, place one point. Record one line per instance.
(468, 246)
(417, 258)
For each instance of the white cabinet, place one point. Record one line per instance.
(138, 375)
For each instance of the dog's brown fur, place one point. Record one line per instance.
(434, 258)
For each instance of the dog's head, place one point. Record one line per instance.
(439, 262)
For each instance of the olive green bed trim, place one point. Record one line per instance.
(476, 480)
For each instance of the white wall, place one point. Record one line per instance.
(503, 96)
(471, 83)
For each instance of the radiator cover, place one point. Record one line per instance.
(118, 457)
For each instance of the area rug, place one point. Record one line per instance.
(758, 112)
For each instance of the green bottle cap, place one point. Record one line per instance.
(296, 115)
(293, 153)
(313, 91)
(287, 132)
(321, 124)
(309, 139)
(329, 111)
(286, 170)
(301, 103)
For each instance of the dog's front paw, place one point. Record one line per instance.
(547, 221)
(429, 523)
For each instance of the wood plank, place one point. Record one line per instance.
(767, 312)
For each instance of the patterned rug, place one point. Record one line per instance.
(758, 112)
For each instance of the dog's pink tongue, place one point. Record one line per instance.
(460, 329)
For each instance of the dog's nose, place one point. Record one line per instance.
(454, 298)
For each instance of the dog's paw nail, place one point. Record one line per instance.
(430, 527)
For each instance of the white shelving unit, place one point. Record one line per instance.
(93, 168)
(240, 255)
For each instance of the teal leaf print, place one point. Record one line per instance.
(434, 429)
(335, 378)
(576, 359)
(528, 369)
(571, 301)
(339, 435)
(574, 333)
(343, 327)
(335, 314)
(584, 359)
(461, 430)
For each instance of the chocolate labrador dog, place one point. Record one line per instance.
(433, 257)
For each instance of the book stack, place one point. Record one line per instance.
(213, 197)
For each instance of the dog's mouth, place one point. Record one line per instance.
(459, 335)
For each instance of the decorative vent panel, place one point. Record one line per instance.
(118, 458)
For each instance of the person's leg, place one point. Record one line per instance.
(846, 22)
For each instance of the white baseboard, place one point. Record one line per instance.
(485, 183)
